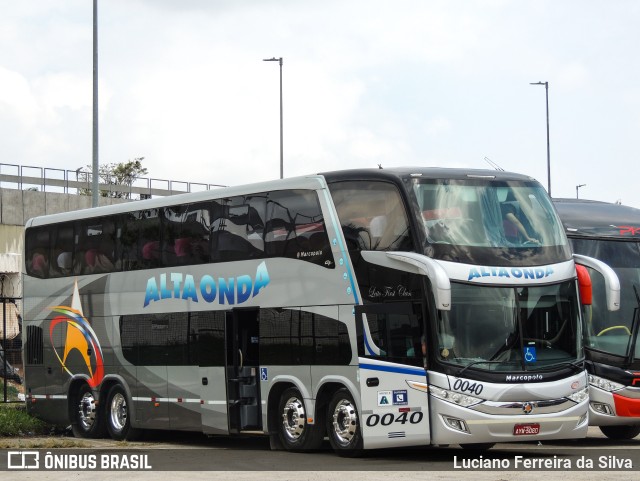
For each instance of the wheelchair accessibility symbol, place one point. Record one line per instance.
(264, 375)
(530, 354)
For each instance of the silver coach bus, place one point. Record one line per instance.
(378, 308)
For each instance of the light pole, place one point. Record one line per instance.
(546, 87)
(577, 187)
(95, 176)
(279, 60)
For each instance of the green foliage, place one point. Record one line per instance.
(119, 175)
(14, 421)
(12, 391)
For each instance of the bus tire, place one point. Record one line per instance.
(343, 424)
(620, 432)
(87, 419)
(294, 432)
(118, 416)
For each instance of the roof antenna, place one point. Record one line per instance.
(379, 166)
(493, 164)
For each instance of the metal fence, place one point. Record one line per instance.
(11, 350)
(48, 179)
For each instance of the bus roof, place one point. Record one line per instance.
(314, 181)
(304, 182)
(591, 218)
(396, 173)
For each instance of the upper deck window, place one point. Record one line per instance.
(285, 223)
(489, 215)
(372, 215)
(489, 222)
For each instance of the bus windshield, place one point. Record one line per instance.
(510, 328)
(467, 218)
(610, 331)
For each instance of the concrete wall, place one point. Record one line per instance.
(18, 206)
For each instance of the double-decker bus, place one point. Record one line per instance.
(610, 233)
(378, 308)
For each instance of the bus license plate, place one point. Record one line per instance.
(526, 429)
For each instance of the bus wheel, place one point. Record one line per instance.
(343, 426)
(118, 418)
(87, 419)
(293, 430)
(620, 432)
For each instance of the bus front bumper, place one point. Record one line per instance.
(612, 408)
(452, 424)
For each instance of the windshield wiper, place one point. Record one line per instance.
(631, 348)
(478, 362)
(577, 366)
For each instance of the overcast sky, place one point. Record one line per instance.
(365, 82)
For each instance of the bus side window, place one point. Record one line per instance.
(187, 234)
(96, 245)
(372, 215)
(62, 248)
(37, 252)
(236, 230)
(127, 241)
(150, 241)
(296, 229)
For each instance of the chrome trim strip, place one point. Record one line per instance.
(511, 408)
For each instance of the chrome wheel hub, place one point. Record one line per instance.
(87, 410)
(118, 412)
(345, 422)
(293, 418)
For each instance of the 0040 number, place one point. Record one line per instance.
(466, 386)
(390, 418)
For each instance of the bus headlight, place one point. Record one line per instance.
(579, 396)
(454, 397)
(604, 384)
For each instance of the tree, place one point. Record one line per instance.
(121, 175)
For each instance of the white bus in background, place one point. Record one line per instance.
(378, 308)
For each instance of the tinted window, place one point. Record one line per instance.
(210, 329)
(292, 337)
(37, 251)
(295, 228)
(95, 252)
(156, 339)
(186, 234)
(237, 228)
(372, 215)
(175, 339)
(274, 224)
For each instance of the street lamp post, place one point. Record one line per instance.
(94, 158)
(577, 187)
(279, 60)
(546, 87)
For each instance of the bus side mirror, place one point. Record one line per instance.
(584, 285)
(611, 281)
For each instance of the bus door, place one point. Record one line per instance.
(210, 327)
(243, 386)
(393, 378)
